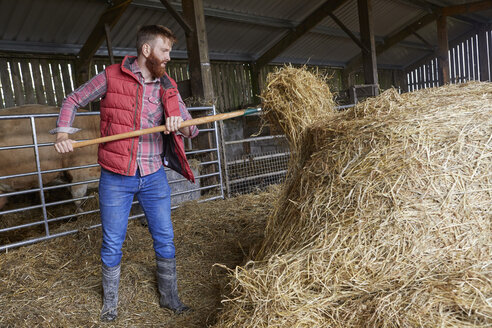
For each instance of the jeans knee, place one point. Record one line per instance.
(165, 250)
(110, 259)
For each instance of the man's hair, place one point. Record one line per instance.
(148, 33)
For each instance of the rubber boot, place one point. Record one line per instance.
(110, 283)
(168, 286)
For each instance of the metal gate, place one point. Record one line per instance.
(207, 173)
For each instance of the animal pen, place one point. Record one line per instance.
(208, 184)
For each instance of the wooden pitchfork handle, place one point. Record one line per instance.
(162, 128)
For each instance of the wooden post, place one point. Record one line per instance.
(200, 72)
(402, 79)
(107, 28)
(483, 58)
(110, 16)
(367, 40)
(255, 83)
(443, 49)
(181, 21)
(298, 31)
(198, 57)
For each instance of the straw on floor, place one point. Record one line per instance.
(385, 219)
(58, 283)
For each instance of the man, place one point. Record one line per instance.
(136, 94)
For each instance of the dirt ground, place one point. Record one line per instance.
(58, 284)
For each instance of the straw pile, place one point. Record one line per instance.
(385, 217)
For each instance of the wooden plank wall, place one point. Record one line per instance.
(464, 65)
(232, 85)
(387, 78)
(34, 81)
(47, 81)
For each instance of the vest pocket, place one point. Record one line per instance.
(108, 129)
(106, 132)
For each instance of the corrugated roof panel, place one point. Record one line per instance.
(49, 21)
(241, 38)
(282, 9)
(236, 28)
(124, 33)
(388, 16)
(81, 22)
(347, 14)
(318, 48)
(400, 56)
(456, 28)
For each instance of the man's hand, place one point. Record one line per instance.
(63, 144)
(173, 124)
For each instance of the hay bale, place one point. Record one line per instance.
(384, 220)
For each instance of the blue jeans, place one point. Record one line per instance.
(116, 194)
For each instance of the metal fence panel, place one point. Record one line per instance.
(207, 173)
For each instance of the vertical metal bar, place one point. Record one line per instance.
(218, 154)
(40, 177)
(467, 61)
(461, 60)
(457, 63)
(430, 78)
(452, 74)
(436, 72)
(224, 152)
(431, 74)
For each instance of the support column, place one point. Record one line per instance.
(367, 40)
(197, 45)
(483, 58)
(109, 43)
(402, 77)
(108, 18)
(255, 83)
(201, 76)
(443, 49)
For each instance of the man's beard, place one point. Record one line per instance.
(154, 66)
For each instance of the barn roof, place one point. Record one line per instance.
(237, 30)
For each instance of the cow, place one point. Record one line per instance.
(15, 132)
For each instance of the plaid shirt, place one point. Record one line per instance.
(150, 145)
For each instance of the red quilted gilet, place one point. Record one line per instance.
(120, 112)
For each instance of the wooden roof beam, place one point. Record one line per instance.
(348, 31)
(181, 21)
(466, 8)
(110, 17)
(452, 43)
(433, 7)
(294, 34)
(412, 28)
(395, 38)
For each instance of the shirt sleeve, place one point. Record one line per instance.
(90, 91)
(185, 115)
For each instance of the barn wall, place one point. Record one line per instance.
(465, 63)
(38, 79)
(34, 80)
(388, 78)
